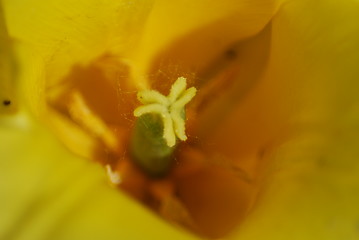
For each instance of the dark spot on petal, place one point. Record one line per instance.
(230, 54)
(6, 102)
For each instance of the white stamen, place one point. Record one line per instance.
(114, 177)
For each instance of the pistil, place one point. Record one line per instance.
(160, 124)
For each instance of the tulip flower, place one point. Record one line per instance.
(270, 139)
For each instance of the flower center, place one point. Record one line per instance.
(141, 149)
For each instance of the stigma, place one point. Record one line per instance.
(170, 108)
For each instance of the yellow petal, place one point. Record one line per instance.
(183, 37)
(300, 118)
(48, 193)
(7, 70)
(69, 32)
(59, 41)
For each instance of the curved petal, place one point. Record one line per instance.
(48, 193)
(64, 45)
(301, 118)
(69, 32)
(182, 38)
